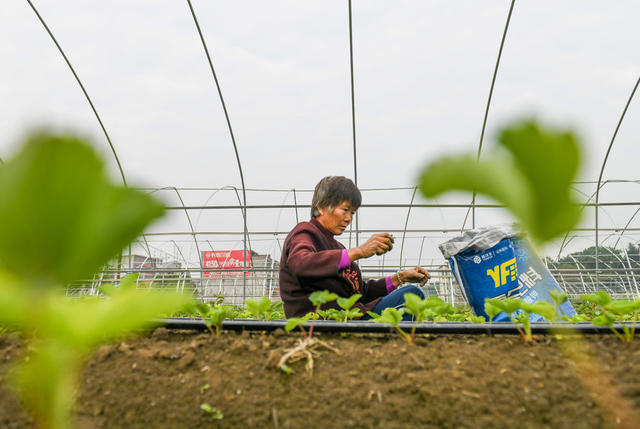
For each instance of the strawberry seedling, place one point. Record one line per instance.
(215, 413)
(543, 308)
(260, 308)
(393, 316)
(559, 298)
(346, 304)
(612, 312)
(295, 322)
(318, 298)
(306, 347)
(431, 308)
(519, 312)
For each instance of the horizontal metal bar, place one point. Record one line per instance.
(362, 231)
(434, 268)
(302, 206)
(400, 188)
(398, 205)
(281, 190)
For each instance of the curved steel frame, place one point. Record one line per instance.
(604, 163)
(295, 202)
(635, 284)
(186, 212)
(240, 206)
(95, 112)
(406, 223)
(421, 246)
(486, 113)
(93, 108)
(578, 263)
(180, 252)
(582, 208)
(233, 140)
(626, 226)
(627, 274)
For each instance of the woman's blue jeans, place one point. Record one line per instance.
(396, 299)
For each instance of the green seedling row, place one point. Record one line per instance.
(598, 308)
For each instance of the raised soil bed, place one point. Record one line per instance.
(160, 380)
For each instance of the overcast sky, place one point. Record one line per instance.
(422, 77)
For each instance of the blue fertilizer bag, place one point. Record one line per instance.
(494, 262)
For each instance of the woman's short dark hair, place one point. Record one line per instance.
(332, 191)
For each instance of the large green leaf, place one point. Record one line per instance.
(60, 217)
(530, 173)
(549, 160)
(496, 178)
(60, 220)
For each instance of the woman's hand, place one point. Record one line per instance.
(376, 245)
(414, 275)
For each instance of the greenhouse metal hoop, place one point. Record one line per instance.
(240, 206)
(406, 223)
(186, 212)
(233, 140)
(84, 91)
(486, 114)
(93, 108)
(604, 163)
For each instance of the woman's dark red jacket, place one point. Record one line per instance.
(310, 259)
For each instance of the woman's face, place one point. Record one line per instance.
(336, 219)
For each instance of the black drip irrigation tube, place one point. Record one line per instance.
(360, 326)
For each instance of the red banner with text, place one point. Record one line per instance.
(229, 262)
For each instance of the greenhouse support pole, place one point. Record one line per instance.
(353, 117)
(406, 224)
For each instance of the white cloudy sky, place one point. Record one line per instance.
(422, 76)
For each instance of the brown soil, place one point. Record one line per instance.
(161, 379)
